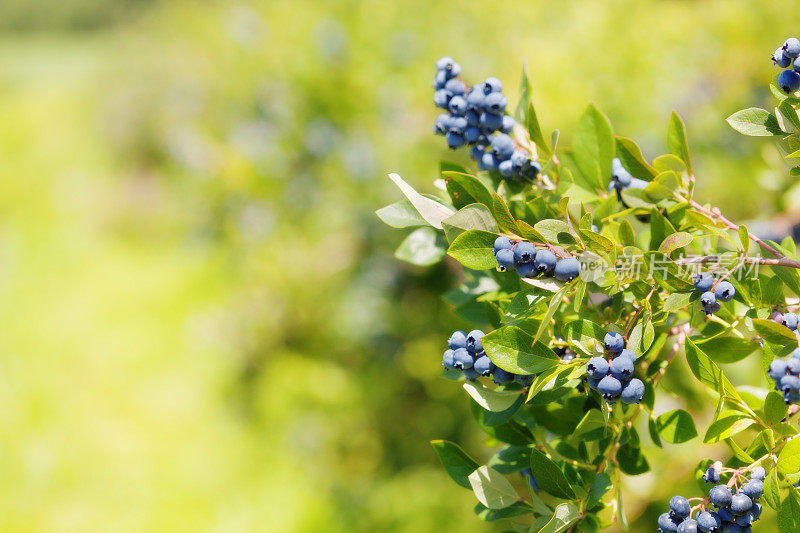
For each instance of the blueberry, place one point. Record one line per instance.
(790, 321)
(791, 48)
(477, 152)
(668, 523)
(567, 269)
(567, 356)
(793, 366)
(595, 229)
(627, 353)
(523, 380)
(492, 85)
(711, 475)
(789, 81)
(753, 488)
(621, 368)
(609, 387)
(502, 243)
(593, 382)
(457, 105)
(724, 291)
(505, 259)
(503, 146)
(441, 98)
(613, 342)
(713, 308)
(491, 122)
(796, 353)
(508, 124)
(473, 118)
(457, 340)
(455, 140)
(524, 252)
(488, 162)
(439, 79)
(462, 359)
(519, 158)
(474, 344)
(790, 384)
(740, 504)
(495, 103)
(756, 510)
(597, 367)
(526, 270)
(720, 496)
(470, 373)
(533, 484)
(707, 299)
(483, 365)
(506, 169)
(636, 183)
(780, 59)
(796, 65)
(445, 63)
(679, 506)
(471, 134)
(725, 514)
(777, 369)
(533, 169)
(621, 176)
(758, 473)
(708, 522)
(475, 101)
(501, 377)
(703, 281)
(545, 262)
(688, 526)
(447, 359)
(442, 124)
(633, 391)
(745, 520)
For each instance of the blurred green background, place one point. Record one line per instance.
(203, 327)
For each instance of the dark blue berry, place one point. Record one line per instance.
(474, 344)
(780, 59)
(724, 291)
(703, 281)
(621, 368)
(524, 252)
(688, 526)
(488, 162)
(711, 475)
(708, 522)
(633, 391)
(789, 81)
(523, 380)
(455, 140)
(492, 85)
(470, 373)
(545, 262)
(501, 243)
(720, 496)
(791, 48)
(526, 270)
(740, 504)
(495, 103)
(613, 342)
(505, 258)
(708, 299)
(627, 353)
(490, 122)
(483, 365)
(609, 387)
(679, 506)
(668, 523)
(597, 367)
(471, 134)
(753, 488)
(501, 377)
(567, 269)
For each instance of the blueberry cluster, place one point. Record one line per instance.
(786, 375)
(530, 262)
(466, 353)
(611, 377)
(712, 295)
(736, 512)
(476, 117)
(621, 179)
(787, 56)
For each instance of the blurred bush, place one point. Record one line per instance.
(204, 326)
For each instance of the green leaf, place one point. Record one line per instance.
(675, 241)
(755, 122)
(775, 409)
(707, 371)
(433, 212)
(474, 249)
(594, 147)
(789, 513)
(677, 300)
(663, 186)
(653, 430)
(491, 400)
(473, 216)
(772, 495)
(512, 511)
(456, 462)
(401, 215)
(503, 216)
(631, 460)
(789, 458)
(555, 302)
(666, 162)
(726, 425)
(676, 426)
(726, 349)
(555, 231)
(584, 332)
(469, 185)
(676, 140)
(564, 516)
(744, 237)
(789, 113)
(773, 332)
(632, 159)
(514, 350)
(492, 489)
(626, 235)
(422, 247)
(549, 477)
(600, 486)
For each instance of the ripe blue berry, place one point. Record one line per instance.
(633, 391)
(613, 342)
(495, 103)
(471, 134)
(627, 353)
(441, 98)
(567, 269)
(502, 243)
(597, 367)
(707, 522)
(524, 252)
(593, 382)
(756, 510)
(724, 291)
(713, 308)
(474, 344)
(621, 368)
(477, 152)
(526, 270)
(483, 365)
(668, 523)
(506, 169)
(708, 299)
(780, 59)
(688, 526)
(790, 384)
(505, 259)
(711, 475)
(492, 85)
(455, 87)
(796, 65)
(455, 140)
(796, 353)
(462, 359)
(725, 515)
(790, 321)
(758, 473)
(508, 124)
(457, 105)
(609, 387)
(791, 48)
(470, 374)
(501, 377)
(703, 281)
(447, 360)
(490, 122)
(473, 118)
(441, 124)
(445, 63)
(720, 496)
(457, 340)
(621, 177)
(502, 146)
(489, 162)
(679, 506)
(740, 504)
(793, 366)
(545, 262)
(753, 488)
(789, 81)
(519, 158)
(475, 101)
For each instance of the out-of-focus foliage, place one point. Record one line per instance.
(202, 324)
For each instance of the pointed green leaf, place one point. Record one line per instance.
(549, 477)
(433, 212)
(456, 462)
(514, 350)
(676, 140)
(676, 426)
(675, 241)
(755, 122)
(474, 249)
(492, 489)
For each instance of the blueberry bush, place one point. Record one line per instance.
(594, 272)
